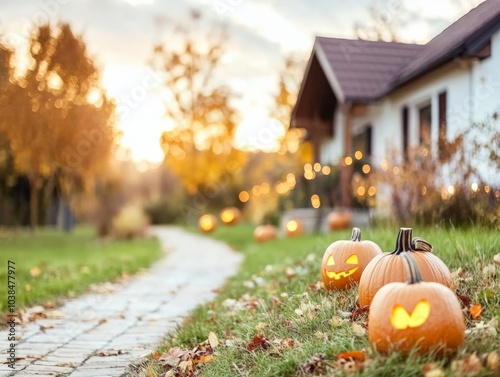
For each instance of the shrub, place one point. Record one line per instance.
(130, 222)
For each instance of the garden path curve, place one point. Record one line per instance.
(130, 317)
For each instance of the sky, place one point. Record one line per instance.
(120, 35)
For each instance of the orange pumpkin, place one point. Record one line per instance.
(207, 223)
(265, 233)
(388, 267)
(417, 314)
(344, 261)
(230, 215)
(294, 228)
(339, 220)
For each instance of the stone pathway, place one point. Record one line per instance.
(131, 318)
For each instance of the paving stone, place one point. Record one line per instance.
(109, 372)
(47, 369)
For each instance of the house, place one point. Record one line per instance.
(381, 96)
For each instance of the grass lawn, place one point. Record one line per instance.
(51, 265)
(275, 295)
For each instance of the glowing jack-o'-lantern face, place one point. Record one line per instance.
(230, 216)
(293, 228)
(333, 274)
(426, 315)
(344, 261)
(401, 319)
(207, 223)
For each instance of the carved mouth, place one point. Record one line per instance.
(341, 274)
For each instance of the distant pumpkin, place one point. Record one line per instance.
(294, 228)
(207, 223)
(264, 233)
(341, 219)
(420, 315)
(345, 260)
(230, 215)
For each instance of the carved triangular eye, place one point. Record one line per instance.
(330, 261)
(353, 259)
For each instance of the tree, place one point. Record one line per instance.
(383, 25)
(199, 146)
(59, 122)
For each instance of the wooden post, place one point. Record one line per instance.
(346, 172)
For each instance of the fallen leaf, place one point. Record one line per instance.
(15, 359)
(315, 365)
(258, 341)
(432, 370)
(36, 357)
(260, 326)
(358, 329)
(493, 361)
(173, 357)
(320, 335)
(54, 314)
(35, 272)
(204, 359)
(496, 259)
(352, 355)
(466, 301)
(186, 365)
(475, 310)
(67, 364)
(489, 270)
(360, 311)
(213, 340)
(318, 286)
(290, 273)
(470, 366)
(46, 327)
(336, 321)
(110, 352)
(299, 312)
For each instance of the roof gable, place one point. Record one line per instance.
(364, 71)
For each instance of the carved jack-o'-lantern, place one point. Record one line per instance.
(230, 215)
(207, 223)
(388, 267)
(294, 228)
(344, 261)
(426, 315)
(265, 233)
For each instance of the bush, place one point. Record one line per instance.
(130, 222)
(165, 210)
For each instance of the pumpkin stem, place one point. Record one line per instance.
(403, 243)
(412, 269)
(356, 234)
(419, 244)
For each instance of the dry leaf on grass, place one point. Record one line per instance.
(489, 270)
(290, 273)
(432, 370)
(173, 357)
(358, 330)
(493, 361)
(496, 259)
(35, 272)
(258, 341)
(470, 366)
(475, 311)
(213, 340)
(315, 365)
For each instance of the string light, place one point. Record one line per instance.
(487, 189)
(358, 155)
(326, 170)
(317, 167)
(256, 190)
(348, 160)
(307, 167)
(366, 168)
(244, 196)
(361, 191)
(451, 190)
(395, 170)
(423, 191)
(265, 188)
(384, 165)
(372, 190)
(474, 187)
(315, 201)
(309, 175)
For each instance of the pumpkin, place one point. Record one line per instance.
(230, 215)
(207, 223)
(344, 261)
(339, 220)
(294, 228)
(426, 315)
(265, 233)
(388, 267)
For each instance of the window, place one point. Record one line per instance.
(404, 131)
(363, 141)
(425, 125)
(442, 142)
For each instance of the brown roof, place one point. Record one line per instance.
(364, 71)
